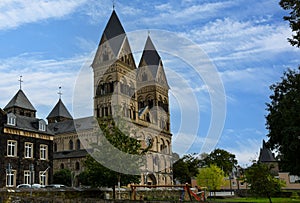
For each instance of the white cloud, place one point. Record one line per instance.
(14, 13)
(42, 77)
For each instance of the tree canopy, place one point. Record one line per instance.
(283, 121)
(221, 158)
(113, 136)
(185, 168)
(262, 182)
(63, 176)
(293, 6)
(211, 177)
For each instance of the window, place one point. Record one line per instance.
(11, 148)
(77, 144)
(42, 125)
(11, 119)
(10, 178)
(43, 152)
(62, 166)
(28, 150)
(55, 147)
(43, 178)
(71, 145)
(27, 177)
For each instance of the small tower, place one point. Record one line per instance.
(59, 112)
(20, 104)
(266, 157)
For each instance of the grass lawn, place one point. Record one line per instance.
(251, 199)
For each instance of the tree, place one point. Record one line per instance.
(221, 158)
(294, 19)
(262, 182)
(185, 168)
(211, 177)
(283, 121)
(114, 136)
(63, 177)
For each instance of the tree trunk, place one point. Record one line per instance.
(269, 197)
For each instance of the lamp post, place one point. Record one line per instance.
(8, 173)
(31, 169)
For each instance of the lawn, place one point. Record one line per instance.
(252, 199)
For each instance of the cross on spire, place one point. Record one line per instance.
(59, 92)
(113, 2)
(20, 80)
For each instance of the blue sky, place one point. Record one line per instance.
(48, 42)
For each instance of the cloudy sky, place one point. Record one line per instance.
(244, 43)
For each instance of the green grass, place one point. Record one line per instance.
(252, 199)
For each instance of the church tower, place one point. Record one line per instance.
(114, 73)
(138, 95)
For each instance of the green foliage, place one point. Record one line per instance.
(211, 177)
(294, 19)
(112, 139)
(262, 182)
(222, 159)
(186, 168)
(63, 177)
(283, 121)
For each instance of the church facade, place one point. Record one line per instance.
(137, 94)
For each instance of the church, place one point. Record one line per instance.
(34, 149)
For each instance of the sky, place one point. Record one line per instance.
(242, 44)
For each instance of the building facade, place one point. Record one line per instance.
(26, 144)
(137, 94)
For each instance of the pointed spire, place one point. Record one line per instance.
(20, 100)
(150, 55)
(59, 113)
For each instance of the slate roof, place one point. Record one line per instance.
(114, 33)
(151, 60)
(266, 154)
(66, 126)
(20, 100)
(28, 124)
(59, 110)
(70, 154)
(150, 55)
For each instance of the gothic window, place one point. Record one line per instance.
(62, 166)
(148, 117)
(150, 103)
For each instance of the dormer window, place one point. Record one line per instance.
(11, 119)
(42, 125)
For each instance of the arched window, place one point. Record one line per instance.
(77, 144)
(62, 166)
(71, 145)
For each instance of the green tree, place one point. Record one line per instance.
(221, 158)
(262, 182)
(63, 177)
(293, 6)
(185, 168)
(211, 177)
(114, 136)
(283, 121)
